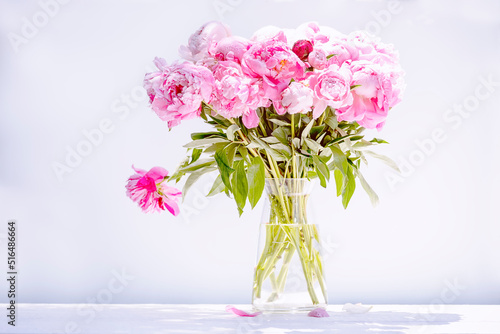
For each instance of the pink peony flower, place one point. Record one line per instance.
(274, 62)
(318, 58)
(202, 40)
(296, 98)
(265, 33)
(230, 48)
(383, 54)
(237, 95)
(364, 43)
(377, 91)
(148, 190)
(331, 87)
(154, 80)
(317, 34)
(176, 91)
(363, 47)
(302, 48)
(335, 51)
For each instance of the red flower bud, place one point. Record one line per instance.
(302, 48)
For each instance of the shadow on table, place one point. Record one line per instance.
(389, 322)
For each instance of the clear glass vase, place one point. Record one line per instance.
(289, 272)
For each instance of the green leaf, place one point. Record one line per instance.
(378, 141)
(244, 153)
(196, 154)
(224, 168)
(257, 176)
(217, 187)
(355, 86)
(371, 193)
(332, 122)
(256, 142)
(313, 145)
(193, 178)
(203, 135)
(178, 174)
(198, 164)
(321, 166)
(362, 144)
(222, 121)
(349, 188)
(340, 139)
(306, 131)
(312, 174)
(231, 152)
(240, 185)
(282, 134)
(388, 161)
(339, 181)
(231, 130)
(216, 147)
(279, 122)
(205, 142)
(322, 179)
(320, 139)
(339, 159)
(354, 138)
(316, 130)
(271, 140)
(330, 56)
(283, 149)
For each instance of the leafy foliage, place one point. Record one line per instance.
(281, 146)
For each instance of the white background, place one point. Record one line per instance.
(434, 239)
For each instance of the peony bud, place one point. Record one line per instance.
(302, 48)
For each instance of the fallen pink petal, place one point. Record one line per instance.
(318, 313)
(241, 313)
(356, 308)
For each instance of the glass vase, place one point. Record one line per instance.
(289, 272)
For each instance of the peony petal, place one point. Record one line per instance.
(251, 120)
(157, 173)
(319, 108)
(241, 313)
(171, 206)
(279, 107)
(318, 313)
(357, 308)
(141, 172)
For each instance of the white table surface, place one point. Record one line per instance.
(137, 319)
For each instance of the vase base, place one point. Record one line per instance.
(269, 308)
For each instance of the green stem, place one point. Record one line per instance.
(286, 232)
(322, 117)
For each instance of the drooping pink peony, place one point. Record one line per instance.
(176, 91)
(149, 191)
(237, 95)
(376, 91)
(296, 98)
(331, 87)
(200, 42)
(274, 62)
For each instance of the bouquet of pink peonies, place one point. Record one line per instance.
(284, 104)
